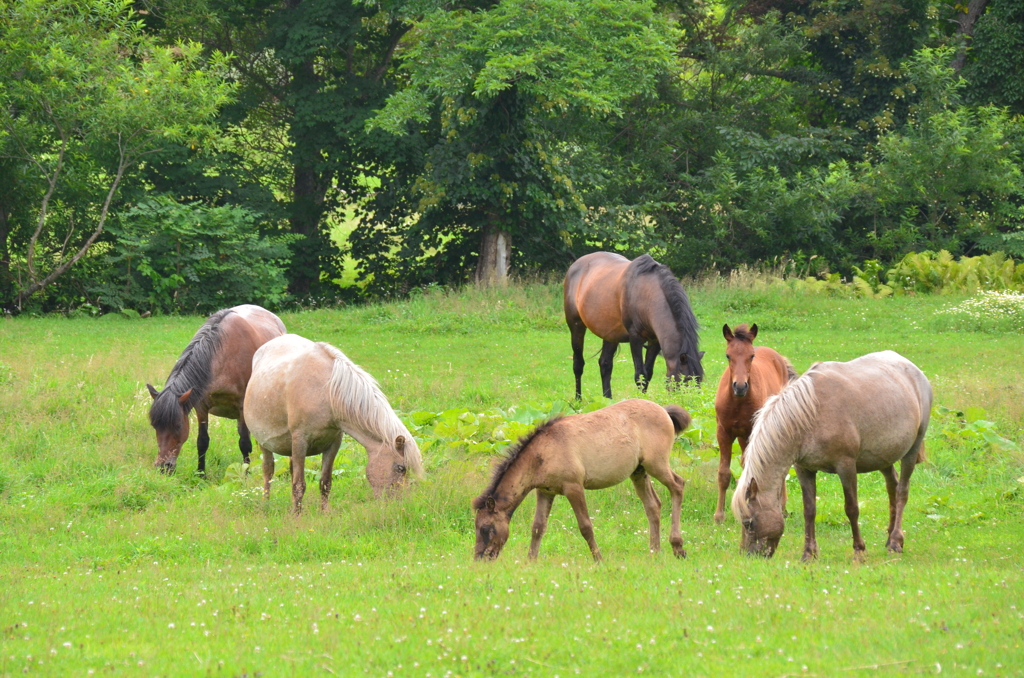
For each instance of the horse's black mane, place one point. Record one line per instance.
(192, 371)
(676, 297)
(503, 465)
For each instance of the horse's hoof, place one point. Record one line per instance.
(895, 548)
(719, 518)
(859, 556)
(679, 553)
(808, 557)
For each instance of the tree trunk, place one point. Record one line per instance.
(965, 29)
(495, 252)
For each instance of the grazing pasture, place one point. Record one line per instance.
(109, 568)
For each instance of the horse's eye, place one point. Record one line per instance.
(748, 524)
(399, 468)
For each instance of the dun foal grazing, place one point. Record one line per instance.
(304, 396)
(753, 376)
(842, 418)
(211, 375)
(581, 452)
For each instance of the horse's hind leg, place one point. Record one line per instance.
(847, 472)
(298, 471)
(268, 471)
(575, 495)
(540, 521)
(652, 506)
(327, 472)
(607, 359)
(895, 542)
(890, 485)
(809, 488)
(579, 331)
(724, 470)
(676, 485)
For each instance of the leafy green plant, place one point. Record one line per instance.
(170, 257)
(939, 273)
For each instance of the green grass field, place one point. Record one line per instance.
(109, 568)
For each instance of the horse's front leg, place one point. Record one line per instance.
(574, 493)
(298, 464)
(327, 472)
(652, 353)
(540, 521)
(724, 470)
(606, 360)
(847, 472)
(809, 488)
(244, 439)
(636, 348)
(203, 438)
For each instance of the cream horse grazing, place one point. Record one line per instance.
(588, 451)
(844, 418)
(303, 396)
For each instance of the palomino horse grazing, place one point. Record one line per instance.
(753, 376)
(585, 451)
(638, 301)
(843, 418)
(304, 396)
(211, 375)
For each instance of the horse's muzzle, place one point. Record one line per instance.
(167, 467)
(740, 390)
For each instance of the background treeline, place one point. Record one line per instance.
(184, 155)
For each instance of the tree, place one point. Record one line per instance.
(85, 96)
(507, 101)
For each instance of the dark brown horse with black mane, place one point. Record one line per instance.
(638, 301)
(210, 376)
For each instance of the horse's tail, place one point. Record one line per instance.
(355, 396)
(790, 372)
(680, 417)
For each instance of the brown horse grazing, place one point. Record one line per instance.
(589, 451)
(753, 376)
(304, 396)
(211, 375)
(842, 418)
(638, 301)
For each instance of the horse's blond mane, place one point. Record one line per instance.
(356, 396)
(786, 416)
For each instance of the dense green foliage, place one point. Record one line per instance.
(105, 563)
(399, 136)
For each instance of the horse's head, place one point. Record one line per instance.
(761, 518)
(491, 528)
(739, 351)
(386, 467)
(685, 367)
(169, 416)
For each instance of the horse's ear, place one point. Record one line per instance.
(726, 332)
(183, 398)
(700, 356)
(753, 331)
(152, 391)
(400, 443)
(751, 494)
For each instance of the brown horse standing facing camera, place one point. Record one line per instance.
(753, 376)
(638, 301)
(581, 452)
(211, 375)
